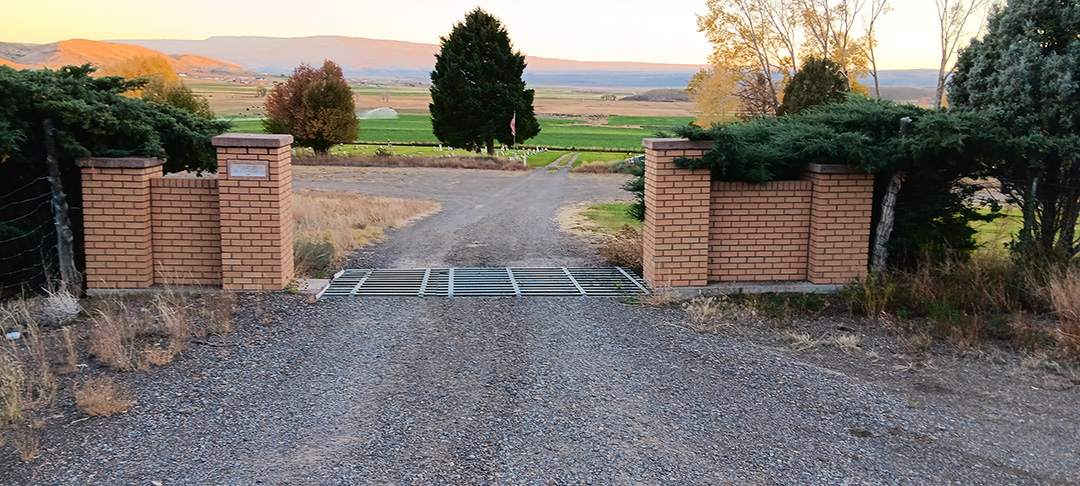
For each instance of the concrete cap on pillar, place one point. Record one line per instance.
(676, 144)
(119, 162)
(258, 140)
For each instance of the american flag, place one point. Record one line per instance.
(513, 121)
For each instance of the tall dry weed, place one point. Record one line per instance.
(11, 386)
(1064, 292)
(624, 249)
(113, 336)
(102, 397)
(329, 225)
(872, 295)
(986, 281)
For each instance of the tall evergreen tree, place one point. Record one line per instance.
(315, 106)
(819, 82)
(476, 87)
(1025, 73)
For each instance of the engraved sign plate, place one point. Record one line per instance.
(247, 169)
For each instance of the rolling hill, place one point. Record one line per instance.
(82, 51)
(361, 57)
(243, 56)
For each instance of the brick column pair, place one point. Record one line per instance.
(676, 230)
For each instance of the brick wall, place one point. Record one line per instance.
(759, 233)
(235, 231)
(186, 231)
(697, 231)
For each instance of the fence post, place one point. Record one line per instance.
(255, 199)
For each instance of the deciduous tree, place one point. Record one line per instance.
(1025, 73)
(715, 95)
(315, 106)
(753, 37)
(877, 9)
(954, 17)
(162, 86)
(476, 87)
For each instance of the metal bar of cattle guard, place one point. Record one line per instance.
(632, 279)
(423, 285)
(513, 282)
(450, 284)
(360, 283)
(574, 281)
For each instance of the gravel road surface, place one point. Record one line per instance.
(525, 391)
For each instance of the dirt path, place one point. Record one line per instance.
(521, 391)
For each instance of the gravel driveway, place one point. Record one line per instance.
(511, 391)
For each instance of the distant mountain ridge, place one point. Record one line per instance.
(243, 56)
(100, 53)
(362, 57)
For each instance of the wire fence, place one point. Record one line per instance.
(28, 255)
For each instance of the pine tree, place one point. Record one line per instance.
(315, 106)
(1025, 73)
(819, 82)
(476, 87)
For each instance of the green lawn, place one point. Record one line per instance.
(606, 157)
(564, 134)
(610, 218)
(545, 158)
(650, 122)
(999, 231)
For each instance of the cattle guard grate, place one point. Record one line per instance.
(493, 282)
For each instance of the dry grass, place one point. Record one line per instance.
(11, 387)
(717, 314)
(129, 334)
(486, 163)
(802, 341)
(986, 281)
(624, 249)
(872, 295)
(595, 168)
(1064, 292)
(848, 343)
(329, 225)
(660, 297)
(102, 397)
(127, 337)
(113, 333)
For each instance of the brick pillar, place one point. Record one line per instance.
(676, 230)
(116, 221)
(839, 223)
(255, 197)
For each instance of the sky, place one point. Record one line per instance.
(662, 31)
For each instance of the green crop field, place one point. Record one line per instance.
(565, 134)
(650, 122)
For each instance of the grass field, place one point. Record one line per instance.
(620, 133)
